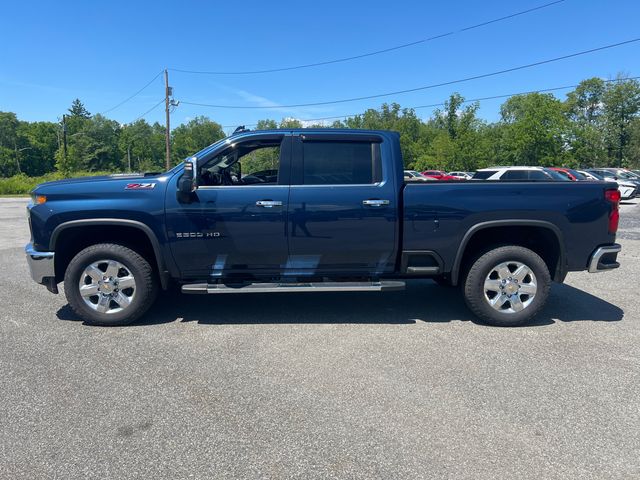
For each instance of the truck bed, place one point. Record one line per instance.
(438, 215)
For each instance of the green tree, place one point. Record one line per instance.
(584, 108)
(77, 109)
(142, 145)
(8, 129)
(290, 123)
(92, 145)
(267, 125)
(634, 144)
(535, 130)
(193, 136)
(621, 106)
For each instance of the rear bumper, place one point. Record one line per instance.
(604, 258)
(42, 267)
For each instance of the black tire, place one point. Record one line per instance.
(146, 286)
(478, 301)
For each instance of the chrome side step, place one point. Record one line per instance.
(383, 286)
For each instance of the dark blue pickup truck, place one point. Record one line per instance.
(313, 210)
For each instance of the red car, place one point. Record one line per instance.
(439, 175)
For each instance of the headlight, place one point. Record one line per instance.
(38, 199)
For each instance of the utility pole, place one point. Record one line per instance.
(64, 137)
(129, 157)
(167, 133)
(15, 146)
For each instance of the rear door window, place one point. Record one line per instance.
(341, 163)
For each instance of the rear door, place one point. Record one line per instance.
(343, 210)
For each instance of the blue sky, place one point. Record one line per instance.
(102, 52)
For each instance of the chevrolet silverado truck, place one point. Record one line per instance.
(313, 210)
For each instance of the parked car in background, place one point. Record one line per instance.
(628, 190)
(570, 173)
(626, 173)
(439, 175)
(615, 174)
(588, 175)
(519, 174)
(415, 176)
(461, 175)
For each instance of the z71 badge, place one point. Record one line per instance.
(139, 186)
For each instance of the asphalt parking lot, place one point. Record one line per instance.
(345, 385)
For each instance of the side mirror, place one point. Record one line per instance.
(188, 183)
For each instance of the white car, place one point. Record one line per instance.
(462, 175)
(627, 190)
(415, 176)
(518, 173)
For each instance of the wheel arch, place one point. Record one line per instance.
(156, 258)
(480, 235)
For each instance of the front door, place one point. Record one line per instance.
(342, 207)
(235, 223)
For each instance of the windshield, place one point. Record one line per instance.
(624, 174)
(557, 175)
(577, 174)
(484, 174)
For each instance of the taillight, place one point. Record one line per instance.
(613, 196)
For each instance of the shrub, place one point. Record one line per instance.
(22, 184)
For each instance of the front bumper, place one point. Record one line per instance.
(42, 267)
(604, 258)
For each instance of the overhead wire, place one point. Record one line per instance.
(424, 87)
(471, 100)
(134, 95)
(375, 52)
(148, 111)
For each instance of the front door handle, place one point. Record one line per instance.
(269, 203)
(375, 203)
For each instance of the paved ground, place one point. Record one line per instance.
(400, 385)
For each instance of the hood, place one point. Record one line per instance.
(99, 178)
(92, 185)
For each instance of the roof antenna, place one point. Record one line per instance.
(240, 129)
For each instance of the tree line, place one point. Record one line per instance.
(597, 124)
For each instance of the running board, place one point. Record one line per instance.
(385, 286)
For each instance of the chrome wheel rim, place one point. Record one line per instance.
(510, 287)
(107, 286)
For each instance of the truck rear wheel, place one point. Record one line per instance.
(109, 284)
(507, 286)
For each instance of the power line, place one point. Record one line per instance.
(471, 100)
(148, 111)
(132, 96)
(376, 52)
(425, 87)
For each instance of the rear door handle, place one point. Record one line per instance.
(269, 203)
(375, 203)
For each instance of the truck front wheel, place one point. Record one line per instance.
(109, 284)
(507, 286)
